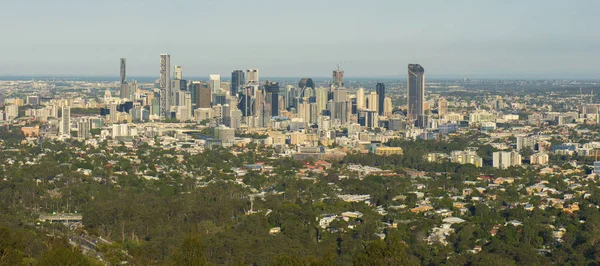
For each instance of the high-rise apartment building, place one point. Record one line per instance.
(506, 159)
(416, 93)
(322, 95)
(380, 89)
(83, 128)
(65, 121)
(165, 85)
(387, 107)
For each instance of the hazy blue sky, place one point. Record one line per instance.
(478, 38)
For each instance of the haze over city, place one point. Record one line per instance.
(299, 133)
(455, 39)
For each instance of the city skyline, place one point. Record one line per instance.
(337, 132)
(460, 39)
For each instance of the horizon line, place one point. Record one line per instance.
(434, 77)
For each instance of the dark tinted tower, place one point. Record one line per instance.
(237, 81)
(380, 89)
(416, 91)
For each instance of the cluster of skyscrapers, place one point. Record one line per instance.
(248, 101)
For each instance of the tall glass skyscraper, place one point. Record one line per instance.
(272, 97)
(124, 90)
(416, 93)
(237, 81)
(380, 89)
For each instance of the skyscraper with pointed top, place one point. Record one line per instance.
(124, 89)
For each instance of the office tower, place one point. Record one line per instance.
(416, 93)
(237, 81)
(179, 98)
(203, 94)
(304, 110)
(195, 87)
(340, 95)
(338, 78)
(314, 113)
(215, 82)
(124, 89)
(137, 113)
(217, 112)
(259, 102)
(360, 99)
(353, 108)
(252, 76)
(131, 90)
(321, 99)
(387, 107)
(155, 106)
(368, 118)
(226, 87)
(272, 97)
(442, 107)
(246, 102)
(83, 128)
(113, 112)
(380, 89)
(65, 121)
(165, 85)
(290, 94)
(236, 118)
(339, 106)
(304, 85)
(227, 115)
(177, 75)
(33, 100)
(188, 103)
(219, 98)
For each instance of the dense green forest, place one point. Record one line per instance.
(195, 210)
